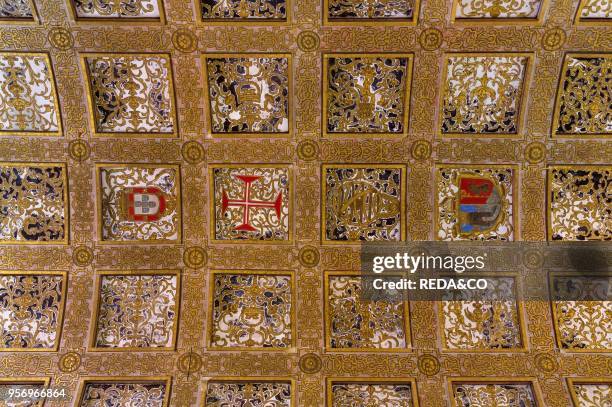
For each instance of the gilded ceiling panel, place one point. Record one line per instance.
(185, 186)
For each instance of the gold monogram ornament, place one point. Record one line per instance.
(308, 150)
(545, 363)
(428, 365)
(431, 39)
(309, 256)
(535, 152)
(82, 256)
(193, 152)
(553, 39)
(69, 362)
(308, 41)
(421, 150)
(184, 41)
(195, 257)
(189, 362)
(60, 38)
(533, 259)
(310, 363)
(79, 150)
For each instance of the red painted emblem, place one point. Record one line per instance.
(479, 205)
(143, 204)
(246, 203)
(475, 190)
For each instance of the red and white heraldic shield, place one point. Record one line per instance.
(143, 204)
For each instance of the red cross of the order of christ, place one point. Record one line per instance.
(247, 203)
